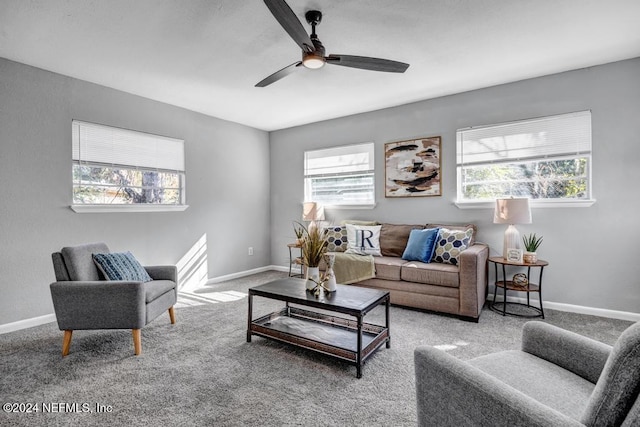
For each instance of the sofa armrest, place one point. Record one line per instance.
(581, 355)
(473, 279)
(451, 392)
(163, 272)
(99, 304)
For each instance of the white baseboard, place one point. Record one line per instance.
(580, 309)
(593, 311)
(27, 323)
(245, 273)
(282, 268)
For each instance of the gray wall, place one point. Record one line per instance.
(591, 250)
(227, 186)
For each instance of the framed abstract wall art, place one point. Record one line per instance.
(412, 168)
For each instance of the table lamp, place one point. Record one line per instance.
(512, 211)
(311, 211)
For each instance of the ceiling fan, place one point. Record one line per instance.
(313, 53)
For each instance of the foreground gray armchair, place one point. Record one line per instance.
(558, 378)
(83, 300)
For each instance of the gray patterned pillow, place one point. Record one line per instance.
(449, 245)
(337, 238)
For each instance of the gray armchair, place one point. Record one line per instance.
(83, 300)
(558, 378)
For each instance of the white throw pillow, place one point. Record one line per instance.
(363, 239)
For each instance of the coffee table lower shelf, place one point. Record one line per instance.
(331, 335)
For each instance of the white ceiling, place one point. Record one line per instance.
(207, 55)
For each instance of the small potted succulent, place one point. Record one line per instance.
(531, 245)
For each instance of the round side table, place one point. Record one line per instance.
(509, 285)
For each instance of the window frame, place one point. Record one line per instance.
(129, 151)
(368, 147)
(535, 202)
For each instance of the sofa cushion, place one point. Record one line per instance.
(121, 266)
(539, 379)
(157, 288)
(363, 239)
(79, 261)
(421, 245)
(388, 268)
(432, 274)
(450, 244)
(336, 238)
(394, 237)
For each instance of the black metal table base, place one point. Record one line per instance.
(508, 285)
(351, 340)
(499, 307)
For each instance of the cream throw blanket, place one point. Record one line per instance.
(352, 268)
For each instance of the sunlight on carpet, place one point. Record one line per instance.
(191, 299)
(448, 347)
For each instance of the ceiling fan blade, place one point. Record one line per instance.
(279, 74)
(290, 22)
(367, 63)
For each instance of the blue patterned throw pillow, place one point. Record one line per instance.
(450, 244)
(337, 238)
(121, 266)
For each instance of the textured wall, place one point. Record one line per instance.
(227, 188)
(590, 250)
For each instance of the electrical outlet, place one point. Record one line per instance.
(250, 250)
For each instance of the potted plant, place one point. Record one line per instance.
(314, 246)
(299, 233)
(531, 245)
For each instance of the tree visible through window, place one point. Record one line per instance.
(119, 166)
(545, 158)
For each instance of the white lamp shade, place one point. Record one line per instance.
(512, 211)
(311, 211)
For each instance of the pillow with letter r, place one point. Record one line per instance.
(421, 245)
(363, 239)
(121, 266)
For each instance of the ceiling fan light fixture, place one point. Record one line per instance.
(313, 61)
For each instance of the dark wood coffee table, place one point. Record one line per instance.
(343, 338)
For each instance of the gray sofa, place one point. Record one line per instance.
(454, 289)
(558, 378)
(83, 299)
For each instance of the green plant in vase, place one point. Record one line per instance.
(299, 233)
(314, 246)
(531, 245)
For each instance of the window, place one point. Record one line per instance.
(546, 158)
(340, 176)
(117, 167)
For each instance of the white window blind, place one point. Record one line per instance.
(339, 160)
(94, 143)
(119, 167)
(541, 158)
(553, 136)
(340, 175)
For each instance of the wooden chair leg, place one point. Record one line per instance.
(137, 341)
(172, 315)
(66, 342)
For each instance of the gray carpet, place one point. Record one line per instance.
(201, 371)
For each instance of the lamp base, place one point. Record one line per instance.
(511, 240)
